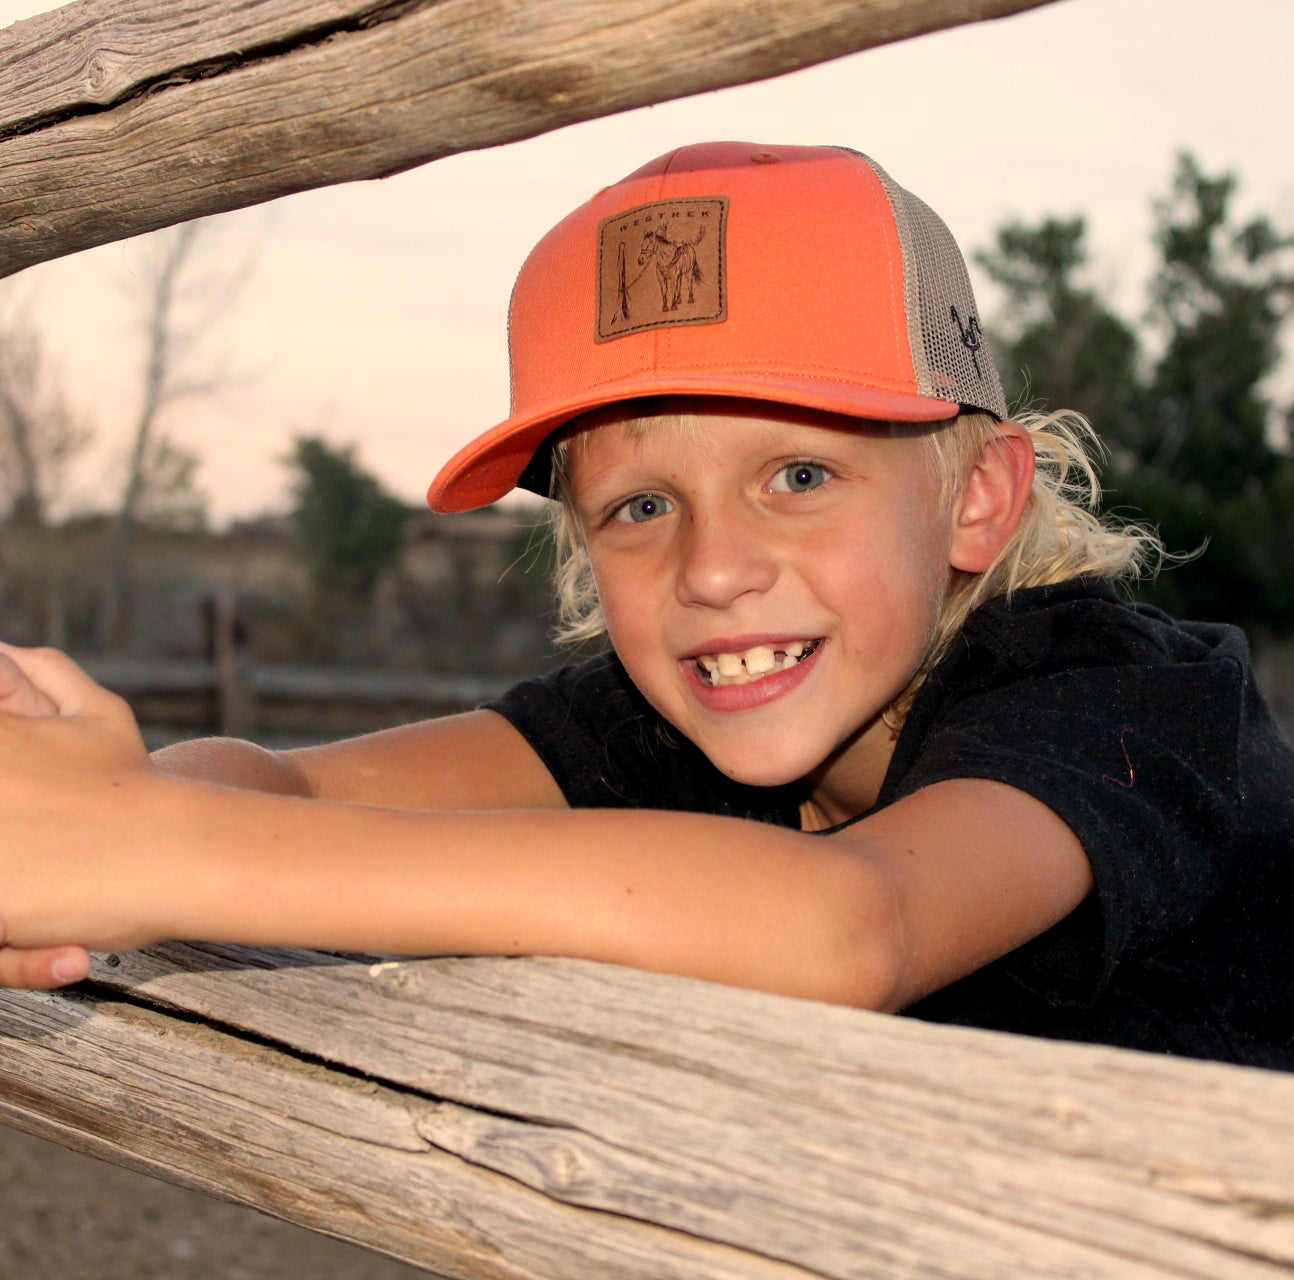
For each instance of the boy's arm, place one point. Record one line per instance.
(878, 915)
(476, 760)
(430, 765)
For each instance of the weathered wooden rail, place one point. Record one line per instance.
(551, 1118)
(121, 116)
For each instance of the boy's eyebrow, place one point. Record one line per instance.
(607, 488)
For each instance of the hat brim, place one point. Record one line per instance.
(494, 464)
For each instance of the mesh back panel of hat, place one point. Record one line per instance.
(948, 349)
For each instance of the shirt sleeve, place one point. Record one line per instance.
(1140, 761)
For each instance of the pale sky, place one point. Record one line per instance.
(375, 314)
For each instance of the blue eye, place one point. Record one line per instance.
(643, 506)
(799, 477)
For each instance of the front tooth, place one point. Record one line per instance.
(795, 648)
(759, 660)
(729, 664)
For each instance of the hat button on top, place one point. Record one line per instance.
(765, 157)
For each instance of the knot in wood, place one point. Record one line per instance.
(565, 1167)
(97, 72)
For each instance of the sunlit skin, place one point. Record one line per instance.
(754, 524)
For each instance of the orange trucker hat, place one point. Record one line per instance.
(802, 275)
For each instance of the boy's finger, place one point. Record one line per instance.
(42, 968)
(18, 696)
(54, 673)
(11, 676)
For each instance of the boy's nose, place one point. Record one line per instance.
(721, 562)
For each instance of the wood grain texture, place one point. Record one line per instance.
(97, 53)
(121, 116)
(319, 1148)
(581, 1119)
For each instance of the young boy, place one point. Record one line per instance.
(873, 727)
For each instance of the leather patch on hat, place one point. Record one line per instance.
(662, 264)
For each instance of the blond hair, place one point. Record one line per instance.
(1061, 534)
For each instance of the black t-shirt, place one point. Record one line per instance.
(1146, 735)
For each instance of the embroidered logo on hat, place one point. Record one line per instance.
(972, 336)
(660, 265)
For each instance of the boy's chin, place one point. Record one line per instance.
(762, 772)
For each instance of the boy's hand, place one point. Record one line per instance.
(67, 746)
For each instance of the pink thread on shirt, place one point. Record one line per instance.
(1132, 775)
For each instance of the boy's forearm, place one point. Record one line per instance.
(713, 898)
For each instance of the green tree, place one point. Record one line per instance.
(1190, 428)
(350, 527)
(1059, 340)
(1208, 465)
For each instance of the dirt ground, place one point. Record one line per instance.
(70, 1217)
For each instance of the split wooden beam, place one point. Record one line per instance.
(544, 1118)
(118, 117)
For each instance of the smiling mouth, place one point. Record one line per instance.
(717, 669)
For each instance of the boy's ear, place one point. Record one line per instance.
(988, 510)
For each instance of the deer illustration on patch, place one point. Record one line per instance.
(660, 265)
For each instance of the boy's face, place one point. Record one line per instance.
(771, 578)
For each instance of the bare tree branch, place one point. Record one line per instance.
(39, 430)
(182, 296)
